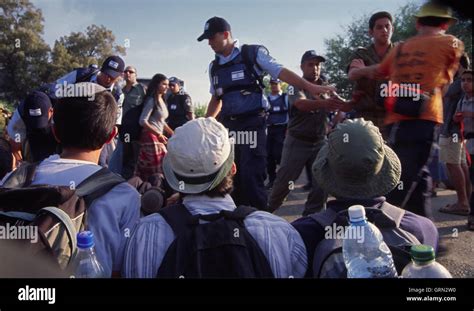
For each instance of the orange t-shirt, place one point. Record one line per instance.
(430, 61)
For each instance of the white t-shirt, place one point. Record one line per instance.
(111, 217)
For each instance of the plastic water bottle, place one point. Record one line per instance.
(423, 264)
(365, 253)
(87, 265)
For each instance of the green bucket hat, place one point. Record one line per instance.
(355, 163)
(436, 10)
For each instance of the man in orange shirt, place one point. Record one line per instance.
(419, 71)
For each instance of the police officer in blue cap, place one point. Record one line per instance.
(179, 104)
(238, 98)
(277, 119)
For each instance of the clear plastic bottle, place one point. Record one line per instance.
(423, 265)
(365, 253)
(87, 265)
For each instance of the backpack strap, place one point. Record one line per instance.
(68, 224)
(396, 214)
(22, 176)
(178, 218)
(240, 212)
(249, 58)
(325, 218)
(326, 246)
(98, 184)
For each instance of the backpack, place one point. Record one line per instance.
(58, 212)
(131, 121)
(220, 248)
(328, 261)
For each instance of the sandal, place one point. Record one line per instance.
(470, 223)
(454, 209)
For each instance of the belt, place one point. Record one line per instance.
(277, 125)
(259, 113)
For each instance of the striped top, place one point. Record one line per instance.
(279, 241)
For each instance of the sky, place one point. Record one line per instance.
(163, 34)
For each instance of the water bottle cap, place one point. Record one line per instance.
(357, 213)
(422, 253)
(85, 239)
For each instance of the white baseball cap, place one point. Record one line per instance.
(199, 156)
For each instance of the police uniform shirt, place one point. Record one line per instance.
(264, 60)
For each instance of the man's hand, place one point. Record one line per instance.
(333, 104)
(348, 105)
(357, 64)
(317, 90)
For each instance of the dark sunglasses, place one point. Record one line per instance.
(129, 71)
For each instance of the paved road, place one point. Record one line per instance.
(457, 243)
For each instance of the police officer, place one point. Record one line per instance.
(277, 119)
(179, 104)
(237, 96)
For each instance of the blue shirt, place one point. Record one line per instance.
(279, 241)
(264, 60)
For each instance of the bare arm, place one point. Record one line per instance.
(330, 104)
(168, 129)
(370, 72)
(355, 71)
(214, 107)
(148, 126)
(293, 79)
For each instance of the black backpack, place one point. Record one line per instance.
(220, 248)
(328, 261)
(58, 212)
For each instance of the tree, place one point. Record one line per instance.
(23, 52)
(340, 48)
(81, 49)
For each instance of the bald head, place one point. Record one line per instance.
(130, 75)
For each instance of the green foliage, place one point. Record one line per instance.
(81, 49)
(200, 110)
(26, 61)
(23, 52)
(268, 90)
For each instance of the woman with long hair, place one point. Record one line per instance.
(152, 140)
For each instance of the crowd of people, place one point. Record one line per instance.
(195, 200)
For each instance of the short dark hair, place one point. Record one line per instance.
(467, 72)
(464, 61)
(433, 21)
(221, 190)
(83, 123)
(377, 16)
